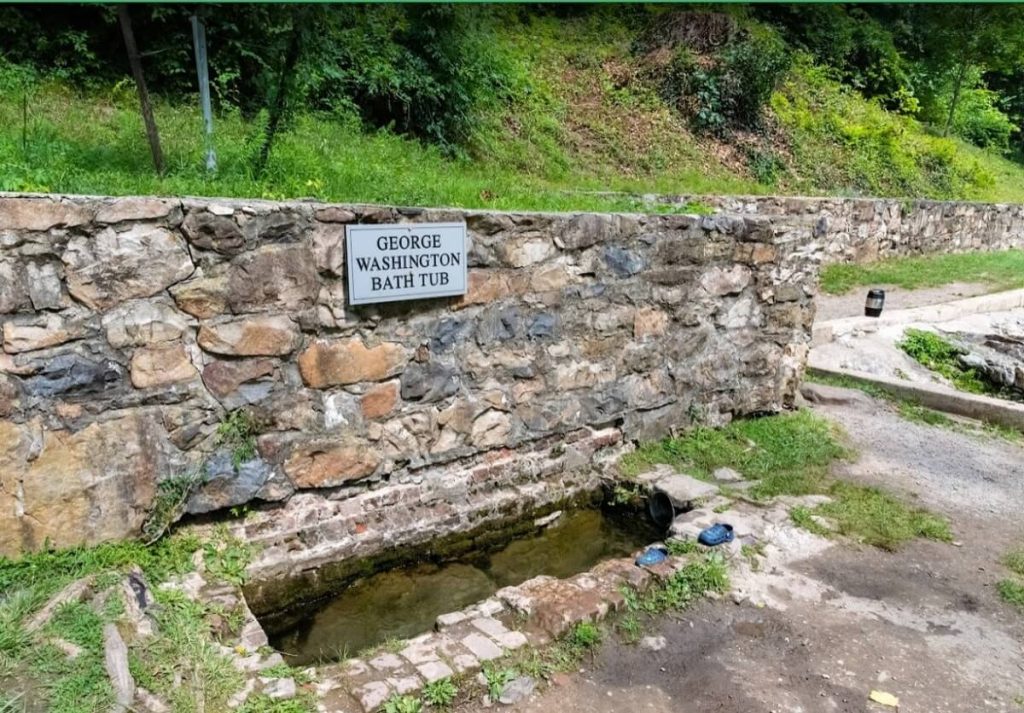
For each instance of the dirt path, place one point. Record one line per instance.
(821, 628)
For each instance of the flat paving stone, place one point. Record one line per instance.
(405, 684)
(434, 671)
(465, 662)
(372, 695)
(482, 647)
(491, 627)
(421, 650)
(684, 490)
(387, 662)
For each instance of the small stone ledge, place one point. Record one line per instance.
(533, 613)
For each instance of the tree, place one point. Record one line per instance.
(955, 38)
(140, 83)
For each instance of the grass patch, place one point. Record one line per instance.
(789, 453)
(916, 413)
(1002, 270)
(440, 693)
(878, 519)
(943, 357)
(1011, 589)
(579, 115)
(1012, 592)
(238, 432)
(182, 664)
(1014, 561)
(695, 579)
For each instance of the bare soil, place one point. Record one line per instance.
(820, 632)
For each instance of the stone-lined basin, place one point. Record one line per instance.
(402, 602)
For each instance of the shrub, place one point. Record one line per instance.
(979, 120)
(730, 91)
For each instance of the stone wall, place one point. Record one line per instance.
(866, 229)
(133, 326)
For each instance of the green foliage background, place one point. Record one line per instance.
(543, 107)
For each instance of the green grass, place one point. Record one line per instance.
(835, 138)
(876, 518)
(440, 693)
(1001, 270)
(708, 574)
(1012, 592)
(94, 144)
(1014, 561)
(584, 118)
(916, 413)
(791, 454)
(942, 356)
(1011, 589)
(788, 453)
(181, 664)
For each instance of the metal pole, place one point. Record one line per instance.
(202, 71)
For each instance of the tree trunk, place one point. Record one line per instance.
(140, 83)
(284, 82)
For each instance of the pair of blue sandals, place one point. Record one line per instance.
(718, 534)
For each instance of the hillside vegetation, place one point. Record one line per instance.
(510, 107)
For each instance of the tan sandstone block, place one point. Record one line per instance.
(255, 336)
(649, 322)
(328, 465)
(380, 400)
(160, 366)
(349, 361)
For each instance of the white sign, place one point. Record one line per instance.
(410, 261)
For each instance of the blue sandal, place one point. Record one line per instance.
(717, 534)
(651, 556)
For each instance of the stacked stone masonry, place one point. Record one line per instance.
(132, 326)
(866, 229)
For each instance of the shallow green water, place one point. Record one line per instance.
(404, 602)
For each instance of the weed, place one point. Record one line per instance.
(628, 494)
(920, 414)
(238, 432)
(585, 635)
(1012, 592)
(227, 557)
(943, 357)
(679, 548)
(1014, 561)
(185, 651)
(497, 679)
(803, 517)
(630, 627)
(722, 508)
(752, 553)
(169, 504)
(283, 670)
(695, 579)
(263, 703)
(11, 704)
(440, 693)
(403, 704)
